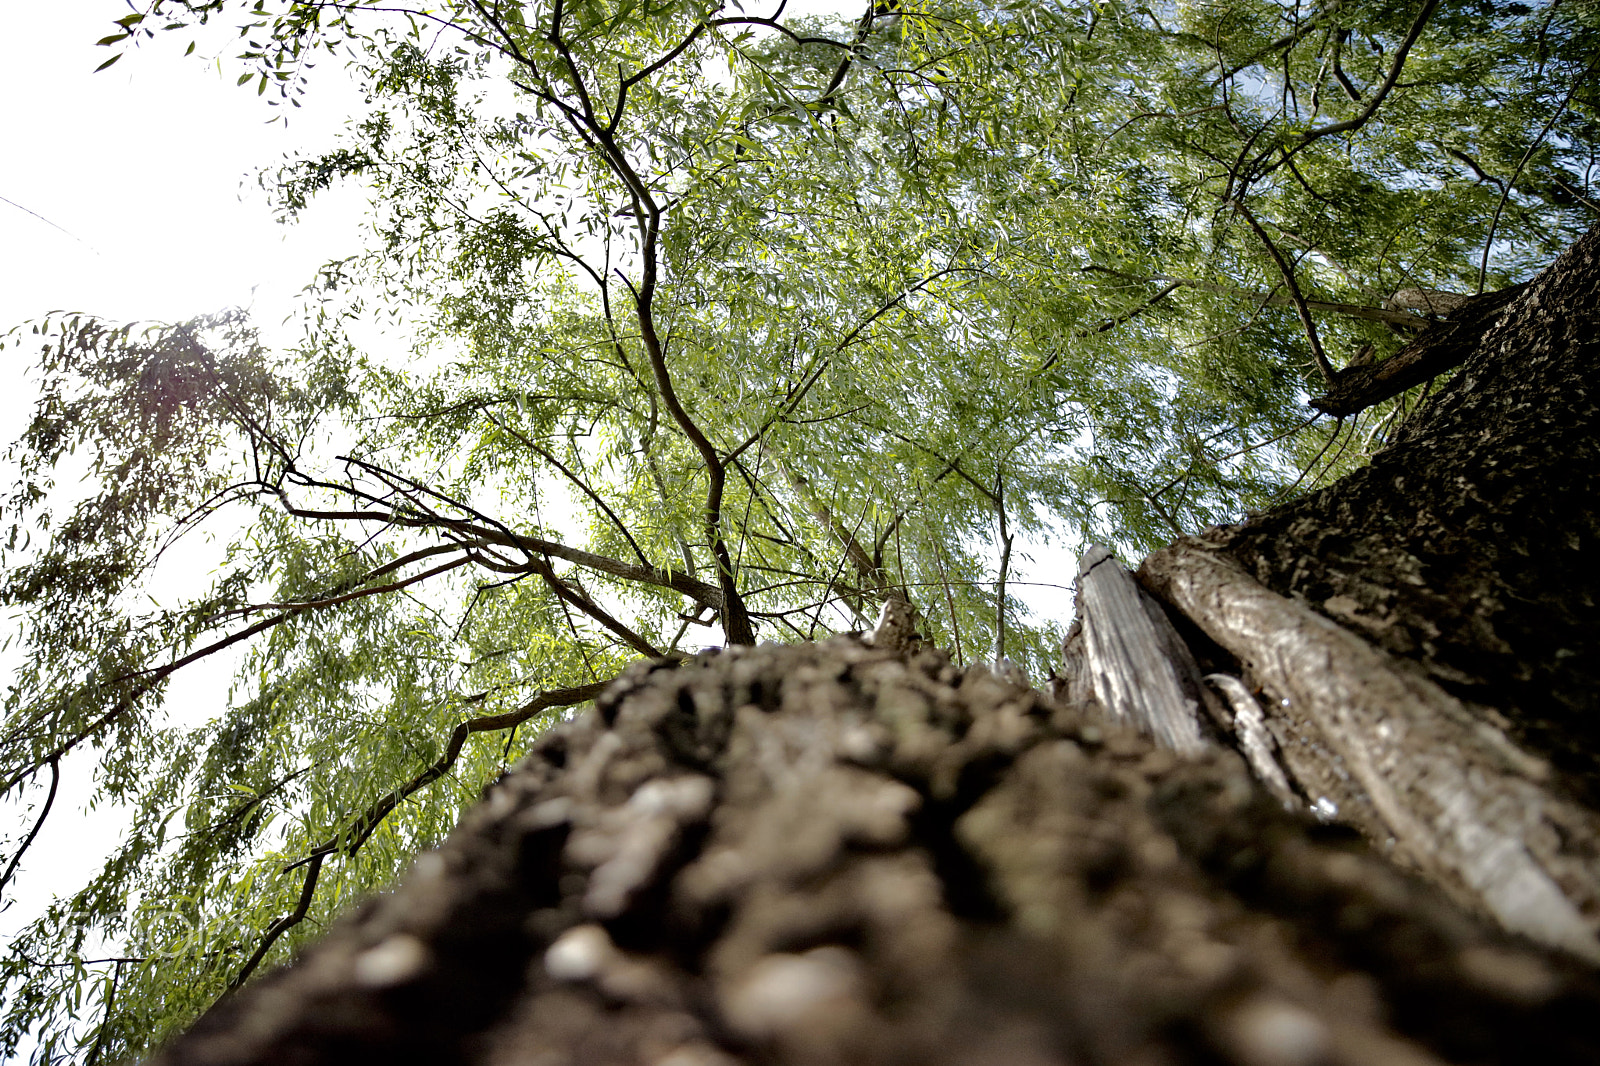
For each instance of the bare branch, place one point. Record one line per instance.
(1288, 41)
(869, 571)
(1116, 320)
(735, 616)
(1438, 348)
(1005, 567)
(1300, 307)
(701, 592)
(583, 603)
(815, 374)
(296, 606)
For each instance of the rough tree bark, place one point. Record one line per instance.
(855, 852)
(1427, 628)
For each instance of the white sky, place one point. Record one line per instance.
(148, 166)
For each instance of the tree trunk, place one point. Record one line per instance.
(856, 853)
(1427, 631)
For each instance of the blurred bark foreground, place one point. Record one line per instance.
(1377, 842)
(836, 853)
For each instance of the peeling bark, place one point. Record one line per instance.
(1459, 800)
(1256, 742)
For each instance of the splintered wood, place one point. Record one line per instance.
(1131, 656)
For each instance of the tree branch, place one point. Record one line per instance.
(583, 603)
(307, 889)
(1442, 345)
(582, 485)
(49, 801)
(1351, 124)
(735, 616)
(1505, 190)
(1300, 307)
(870, 573)
(1005, 568)
(1274, 299)
(701, 592)
(367, 822)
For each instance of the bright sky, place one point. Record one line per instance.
(130, 190)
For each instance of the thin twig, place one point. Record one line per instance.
(1005, 566)
(105, 1020)
(1300, 307)
(1505, 192)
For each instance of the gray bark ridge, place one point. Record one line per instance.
(840, 853)
(1459, 799)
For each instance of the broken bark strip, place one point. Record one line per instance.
(1460, 800)
(1131, 661)
(1254, 739)
(843, 854)
(1441, 346)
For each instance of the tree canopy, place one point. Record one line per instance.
(723, 326)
